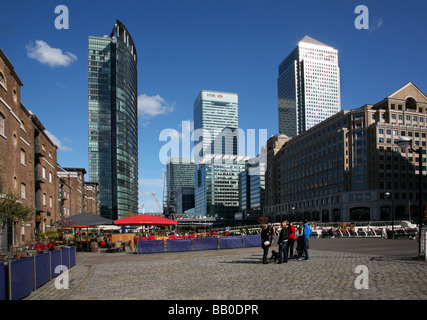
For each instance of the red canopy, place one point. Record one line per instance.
(145, 219)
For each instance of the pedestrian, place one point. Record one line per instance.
(283, 244)
(266, 239)
(291, 240)
(306, 233)
(271, 228)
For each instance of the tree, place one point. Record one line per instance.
(128, 214)
(12, 211)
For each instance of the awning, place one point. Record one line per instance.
(83, 220)
(145, 220)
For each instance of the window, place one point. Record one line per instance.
(23, 194)
(50, 201)
(2, 125)
(44, 199)
(23, 157)
(50, 177)
(44, 172)
(2, 80)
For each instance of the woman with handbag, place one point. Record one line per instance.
(266, 239)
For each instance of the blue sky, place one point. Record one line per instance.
(185, 46)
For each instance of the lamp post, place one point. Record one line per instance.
(388, 195)
(405, 142)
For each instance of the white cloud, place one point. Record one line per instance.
(58, 142)
(377, 24)
(151, 106)
(52, 57)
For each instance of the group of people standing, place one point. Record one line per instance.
(286, 241)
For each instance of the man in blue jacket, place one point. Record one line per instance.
(306, 233)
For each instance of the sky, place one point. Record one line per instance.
(185, 46)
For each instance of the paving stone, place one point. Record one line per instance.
(237, 274)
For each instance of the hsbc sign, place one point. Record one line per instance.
(227, 97)
(213, 95)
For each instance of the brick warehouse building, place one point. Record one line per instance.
(28, 164)
(75, 194)
(349, 167)
(16, 144)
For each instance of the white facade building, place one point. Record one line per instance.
(216, 121)
(308, 86)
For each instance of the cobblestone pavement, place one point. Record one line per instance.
(238, 274)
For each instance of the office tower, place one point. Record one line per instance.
(252, 193)
(216, 189)
(252, 188)
(344, 168)
(308, 87)
(216, 121)
(179, 174)
(113, 126)
(185, 199)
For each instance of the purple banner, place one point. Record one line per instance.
(72, 256)
(55, 260)
(22, 277)
(205, 244)
(42, 269)
(66, 257)
(253, 240)
(176, 245)
(2, 281)
(151, 246)
(230, 242)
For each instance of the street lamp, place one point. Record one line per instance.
(405, 142)
(387, 195)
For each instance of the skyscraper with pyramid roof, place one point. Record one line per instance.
(308, 86)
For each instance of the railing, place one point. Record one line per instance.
(18, 278)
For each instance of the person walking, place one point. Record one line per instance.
(291, 240)
(283, 243)
(306, 233)
(266, 239)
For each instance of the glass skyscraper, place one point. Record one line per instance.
(216, 120)
(308, 86)
(179, 174)
(113, 121)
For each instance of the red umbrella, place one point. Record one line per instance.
(145, 220)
